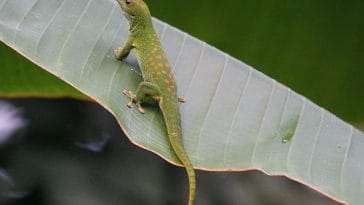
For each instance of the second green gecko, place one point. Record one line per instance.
(158, 83)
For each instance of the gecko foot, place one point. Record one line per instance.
(118, 51)
(130, 105)
(128, 93)
(140, 109)
(181, 99)
(132, 97)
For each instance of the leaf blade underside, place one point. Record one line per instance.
(235, 118)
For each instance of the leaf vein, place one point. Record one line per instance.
(203, 47)
(97, 40)
(71, 33)
(112, 82)
(22, 20)
(293, 137)
(263, 120)
(315, 143)
(237, 110)
(221, 74)
(283, 112)
(36, 50)
(2, 4)
(113, 39)
(180, 51)
(345, 158)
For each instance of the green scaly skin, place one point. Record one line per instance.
(158, 85)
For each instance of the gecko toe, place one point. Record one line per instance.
(141, 110)
(117, 51)
(130, 105)
(126, 92)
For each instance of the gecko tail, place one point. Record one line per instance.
(182, 156)
(173, 124)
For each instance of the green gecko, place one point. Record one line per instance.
(158, 85)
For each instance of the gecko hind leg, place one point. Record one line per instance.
(145, 91)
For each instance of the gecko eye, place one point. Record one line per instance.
(127, 1)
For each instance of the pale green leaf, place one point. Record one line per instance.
(235, 118)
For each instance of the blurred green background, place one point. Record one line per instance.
(314, 47)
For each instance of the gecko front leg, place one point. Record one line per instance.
(121, 53)
(145, 91)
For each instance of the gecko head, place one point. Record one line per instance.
(136, 11)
